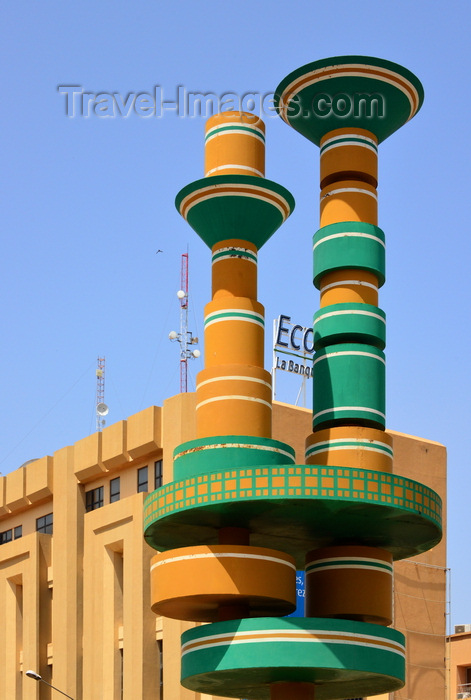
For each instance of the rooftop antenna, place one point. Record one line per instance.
(185, 337)
(101, 407)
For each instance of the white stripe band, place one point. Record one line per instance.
(342, 283)
(233, 377)
(256, 321)
(234, 397)
(232, 166)
(256, 193)
(341, 190)
(350, 352)
(314, 451)
(381, 570)
(246, 446)
(360, 640)
(324, 149)
(355, 234)
(349, 312)
(224, 555)
(333, 139)
(234, 311)
(239, 129)
(321, 74)
(356, 558)
(361, 409)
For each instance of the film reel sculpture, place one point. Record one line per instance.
(240, 516)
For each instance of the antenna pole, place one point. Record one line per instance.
(100, 392)
(184, 325)
(185, 337)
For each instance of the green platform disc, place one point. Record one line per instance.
(241, 658)
(234, 206)
(348, 92)
(296, 508)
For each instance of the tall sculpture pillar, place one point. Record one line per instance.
(347, 106)
(241, 516)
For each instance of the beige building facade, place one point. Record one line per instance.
(459, 659)
(74, 566)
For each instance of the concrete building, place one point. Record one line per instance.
(459, 659)
(74, 568)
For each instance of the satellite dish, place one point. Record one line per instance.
(102, 409)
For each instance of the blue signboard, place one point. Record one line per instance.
(299, 612)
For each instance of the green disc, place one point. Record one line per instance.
(241, 658)
(296, 508)
(348, 92)
(234, 206)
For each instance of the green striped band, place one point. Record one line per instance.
(235, 128)
(234, 252)
(241, 658)
(349, 245)
(296, 508)
(330, 311)
(234, 315)
(349, 563)
(349, 444)
(349, 140)
(229, 452)
(349, 385)
(349, 322)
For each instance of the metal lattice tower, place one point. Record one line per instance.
(184, 324)
(101, 407)
(185, 337)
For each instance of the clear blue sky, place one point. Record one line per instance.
(87, 202)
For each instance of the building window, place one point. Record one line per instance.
(18, 532)
(6, 536)
(94, 499)
(160, 649)
(44, 524)
(142, 479)
(158, 474)
(115, 490)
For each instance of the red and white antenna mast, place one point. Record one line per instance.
(185, 337)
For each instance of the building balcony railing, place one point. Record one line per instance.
(464, 691)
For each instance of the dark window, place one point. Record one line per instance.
(44, 524)
(94, 499)
(142, 479)
(6, 536)
(18, 531)
(160, 648)
(158, 474)
(115, 490)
